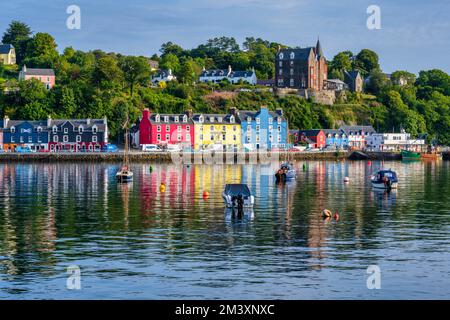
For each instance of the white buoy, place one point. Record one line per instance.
(346, 179)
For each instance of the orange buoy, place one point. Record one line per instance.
(205, 194)
(162, 187)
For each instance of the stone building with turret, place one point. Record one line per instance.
(301, 68)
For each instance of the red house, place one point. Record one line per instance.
(164, 129)
(316, 138)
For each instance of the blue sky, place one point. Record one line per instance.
(414, 35)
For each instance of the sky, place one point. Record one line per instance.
(414, 34)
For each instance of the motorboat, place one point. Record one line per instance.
(238, 196)
(385, 179)
(410, 155)
(285, 173)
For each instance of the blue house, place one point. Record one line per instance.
(32, 134)
(336, 137)
(263, 129)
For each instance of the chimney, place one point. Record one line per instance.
(229, 70)
(24, 68)
(88, 121)
(188, 113)
(105, 120)
(5, 121)
(234, 111)
(146, 114)
(49, 121)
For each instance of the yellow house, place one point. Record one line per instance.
(217, 131)
(7, 54)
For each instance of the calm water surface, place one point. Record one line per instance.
(132, 241)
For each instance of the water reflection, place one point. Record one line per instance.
(53, 215)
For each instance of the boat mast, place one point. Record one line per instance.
(126, 159)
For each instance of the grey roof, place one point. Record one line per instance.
(207, 118)
(357, 129)
(299, 54)
(171, 118)
(34, 124)
(334, 132)
(225, 73)
(310, 133)
(338, 81)
(59, 122)
(244, 114)
(352, 74)
(5, 48)
(319, 50)
(39, 72)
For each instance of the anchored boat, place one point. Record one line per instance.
(385, 179)
(285, 173)
(410, 155)
(125, 174)
(238, 196)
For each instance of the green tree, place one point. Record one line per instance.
(107, 71)
(18, 34)
(186, 74)
(366, 61)
(170, 61)
(41, 51)
(341, 62)
(377, 82)
(135, 69)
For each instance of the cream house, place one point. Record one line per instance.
(7, 54)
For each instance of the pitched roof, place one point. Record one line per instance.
(170, 118)
(5, 48)
(244, 114)
(59, 122)
(352, 74)
(215, 118)
(299, 53)
(348, 129)
(319, 50)
(310, 133)
(39, 72)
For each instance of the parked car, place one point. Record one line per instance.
(174, 148)
(110, 148)
(23, 149)
(151, 148)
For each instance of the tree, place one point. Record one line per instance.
(227, 44)
(170, 61)
(17, 34)
(342, 61)
(377, 82)
(366, 61)
(41, 51)
(186, 73)
(68, 104)
(432, 80)
(134, 70)
(107, 71)
(171, 48)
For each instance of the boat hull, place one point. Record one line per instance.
(249, 201)
(124, 177)
(410, 155)
(381, 185)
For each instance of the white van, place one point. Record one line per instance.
(174, 148)
(151, 148)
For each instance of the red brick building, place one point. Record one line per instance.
(303, 68)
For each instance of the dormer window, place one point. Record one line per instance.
(232, 119)
(166, 119)
(211, 119)
(281, 56)
(200, 119)
(55, 129)
(292, 55)
(157, 118)
(66, 130)
(249, 119)
(177, 119)
(39, 129)
(258, 120)
(13, 129)
(94, 129)
(80, 129)
(219, 119)
(185, 118)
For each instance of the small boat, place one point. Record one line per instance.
(125, 174)
(285, 173)
(410, 155)
(238, 196)
(431, 156)
(385, 179)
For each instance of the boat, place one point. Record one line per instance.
(385, 179)
(431, 156)
(285, 173)
(125, 174)
(238, 196)
(410, 155)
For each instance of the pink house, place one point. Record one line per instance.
(164, 129)
(46, 76)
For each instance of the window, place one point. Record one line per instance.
(279, 138)
(234, 128)
(188, 129)
(158, 137)
(249, 128)
(280, 82)
(279, 128)
(30, 139)
(94, 138)
(177, 119)
(234, 137)
(65, 139)
(292, 55)
(257, 128)
(280, 72)
(13, 129)
(211, 128)
(21, 139)
(281, 56)
(166, 119)
(258, 120)
(224, 128)
(212, 138)
(270, 128)
(224, 137)
(291, 71)
(200, 119)
(219, 119)
(280, 64)
(279, 120)
(167, 137)
(167, 128)
(55, 129)
(270, 120)
(179, 128)
(185, 118)
(291, 82)
(292, 63)
(211, 119)
(158, 129)
(39, 129)
(201, 137)
(94, 129)
(66, 130)
(78, 138)
(188, 137)
(80, 129)
(179, 137)
(270, 138)
(249, 119)
(232, 119)
(55, 138)
(12, 139)
(201, 128)
(157, 118)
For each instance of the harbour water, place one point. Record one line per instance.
(135, 242)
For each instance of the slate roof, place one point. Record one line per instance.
(309, 133)
(357, 129)
(299, 54)
(333, 132)
(225, 73)
(5, 48)
(351, 74)
(101, 126)
(207, 119)
(39, 72)
(244, 114)
(171, 119)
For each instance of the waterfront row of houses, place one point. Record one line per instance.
(235, 130)
(357, 138)
(54, 135)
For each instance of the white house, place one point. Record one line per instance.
(393, 142)
(234, 77)
(163, 75)
(357, 135)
